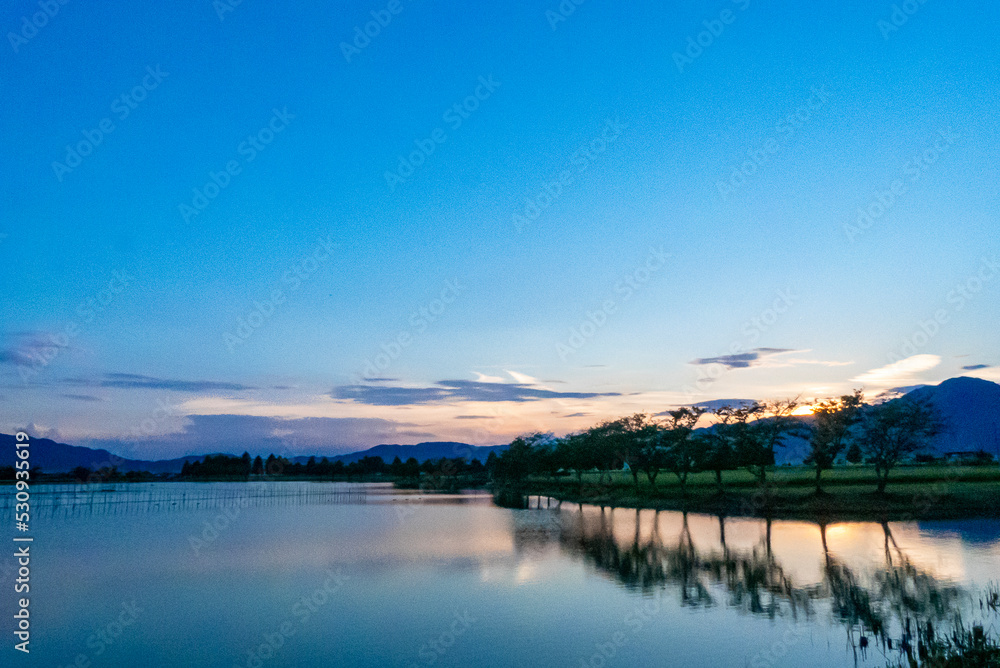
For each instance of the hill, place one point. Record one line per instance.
(970, 409)
(420, 451)
(53, 457)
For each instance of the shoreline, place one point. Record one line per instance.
(960, 501)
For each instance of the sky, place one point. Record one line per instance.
(314, 228)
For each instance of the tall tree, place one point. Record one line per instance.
(769, 423)
(520, 458)
(681, 454)
(626, 440)
(575, 452)
(893, 430)
(717, 444)
(831, 431)
(605, 447)
(396, 467)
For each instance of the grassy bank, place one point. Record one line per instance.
(914, 492)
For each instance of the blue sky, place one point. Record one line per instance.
(577, 238)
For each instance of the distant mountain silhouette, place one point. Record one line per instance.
(53, 457)
(970, 408)
(420, 451)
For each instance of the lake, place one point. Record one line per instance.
(339, 574)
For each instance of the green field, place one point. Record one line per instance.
(914, 492)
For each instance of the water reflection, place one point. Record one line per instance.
(890, 600)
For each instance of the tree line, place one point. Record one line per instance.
(743, 436)
(226, 467)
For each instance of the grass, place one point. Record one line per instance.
(914, 492)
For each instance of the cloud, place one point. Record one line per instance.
(388, 396)
(131, 381)
(794, 361)
(472, 417)
(454, 390)
(259, 434)
(27, 345)
(719, 403)
(898, 373)
(743, 360)
(523, 378)
(976, 367)
(82, 397)
(895, 392)
(573, 415)
(11, 356)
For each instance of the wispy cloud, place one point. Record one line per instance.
(454, 390)
(133, 381)
(719, 403)
(82, 397)
(903, 372)
(10, 356)
(976, 367)
(771, 358)
(28, 346)
(523, 378)
(895, 392)
(743, 360)
(483, 378)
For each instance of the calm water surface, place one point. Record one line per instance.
(333, 574)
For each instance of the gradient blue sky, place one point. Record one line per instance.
(489, 366)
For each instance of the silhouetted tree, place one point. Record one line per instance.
(575, 451)
(682, 455)
(625, 440)
(834, 418)
(411, 468)
(323, 468)
(396, 467)
(605, 448)
(762, 429)
(893, 430)
(272, 466)
(718, 443)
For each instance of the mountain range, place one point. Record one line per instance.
(53, 457)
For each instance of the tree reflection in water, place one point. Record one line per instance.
(895, 604)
